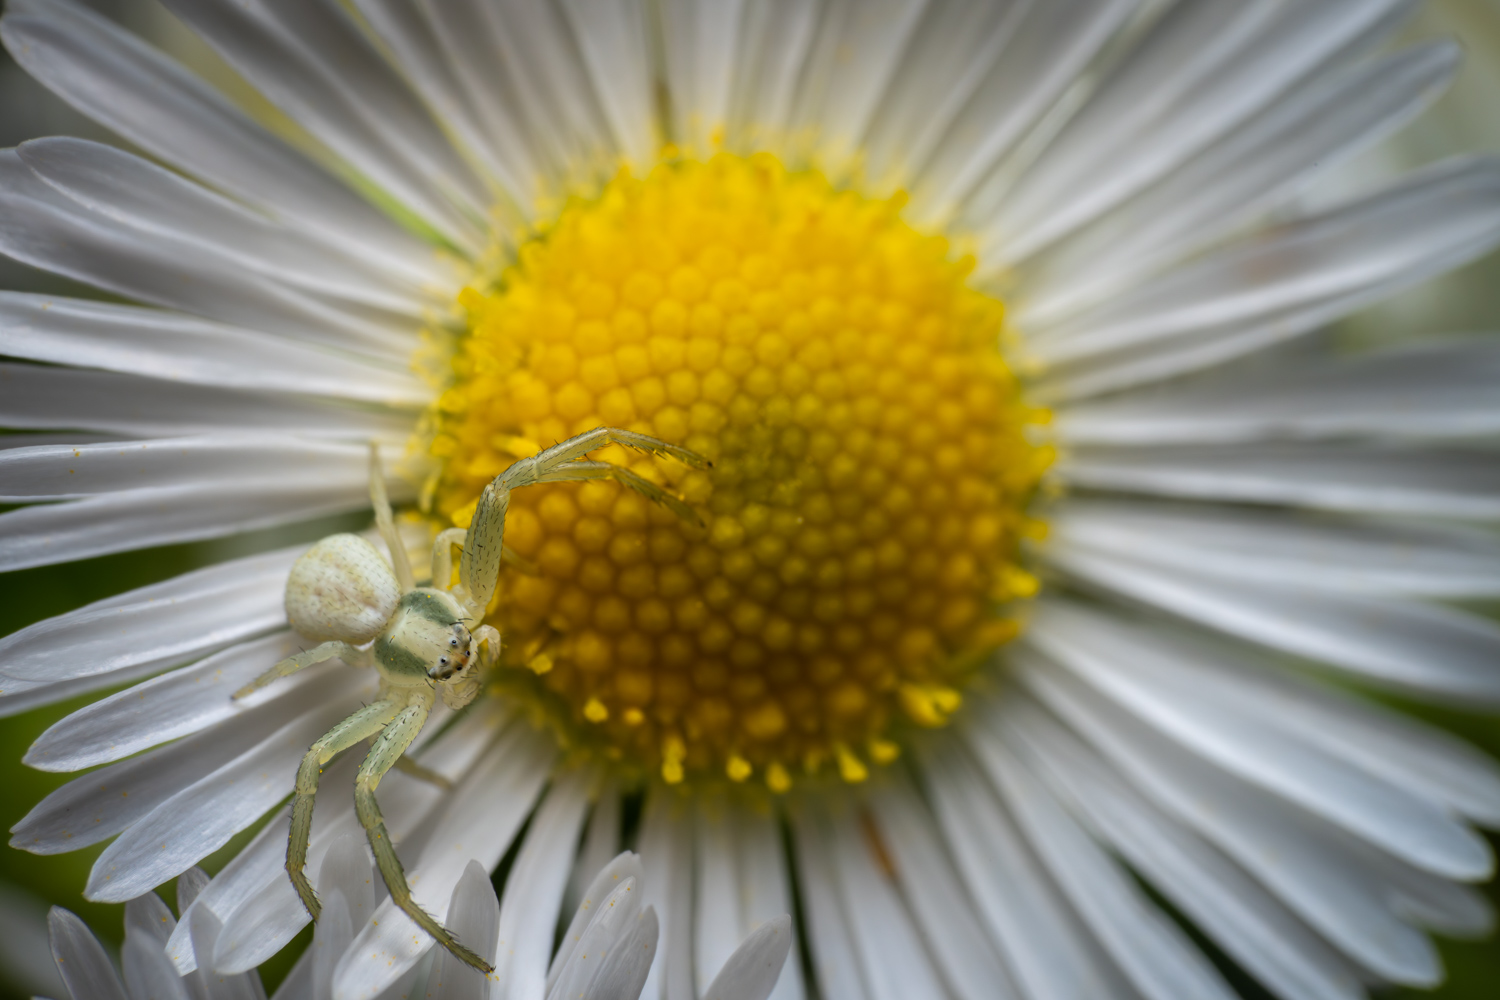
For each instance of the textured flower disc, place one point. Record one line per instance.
(871, 468)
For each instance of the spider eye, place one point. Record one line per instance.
(442, 661)
(453, 642)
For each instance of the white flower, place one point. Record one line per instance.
(1206, 523)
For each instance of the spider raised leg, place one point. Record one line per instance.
(368, 611)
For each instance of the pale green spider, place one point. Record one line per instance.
(368, 612)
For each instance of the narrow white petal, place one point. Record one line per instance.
(835, 963)
(717, 923)
(1229, 906)
(954, 46)
(473, 917)
(80, 958)
(752, 971)
(34, 396)
(168, 707)
(765, 886)
(1420, 648)
(478, 822)
(160, 625)
(181, 348)
(601, 845)
(667, 856)
(1329, 879)
(44, 228)
(1384, 556)
(700, 41)
(1437, 388)
(773, 42)
(144, 196)
(253, 896)
(851, 60)
(1042, 58)
(533, 893)
(94, 808)
(945, 913)
(614, 41)
(364, 111)
(1377, 479)
(148, 973)
(896, 963)
(610, 923)
(1155, 955)
(202, 816)
(623, 976)
(138, 92)
(1196, 80)
(1259, 166)
(1270, 286)
(1308, 717)
(217, 985)
(1049, 952)
(606, 879)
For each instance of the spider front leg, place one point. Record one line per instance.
(480, 567)
(388, 749)
(358, 727)
(461, 688)
(325, 651)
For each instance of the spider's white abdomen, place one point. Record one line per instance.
(342, 588)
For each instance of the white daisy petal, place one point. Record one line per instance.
(1271, 286)
(1147, 946)
(666, 841)
(1050, 954)
(851, 59)
(717, 923)
(1442, 388)
(1259, 166)
(1117, 655)
(81, 959)
(204, 814)
(960, 945)
(364, 111)
(774, 39)
(140, 194)
(44, 228)
(1201, 73)
(610, 921)
(528, 910)
(1377, 478)
(252, 895)
(34, 396)
(217, 986)
(479, 820)
(126, 85)
(765, 888)
(1230, 906)
(148, 971)
(606, 879)
(601, 844)
(165, 708)
(836, 966)
(473, 917)
(1044, 55)
(700, 43)
(629, 962)
(1328, 879)
(1417, 647)
(94, 808)
(753, 970)
(891, 951)
(613, 39)
(953, 47)
(1289, 549)
(171, 346)
(160, 625)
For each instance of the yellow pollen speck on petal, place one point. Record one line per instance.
(860, 525)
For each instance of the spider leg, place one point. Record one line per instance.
(387, 750)
(360, 726)
(608, 470)
(600, 437)
(408, 766)
(383, 520)
(325, 651)
(442, 557)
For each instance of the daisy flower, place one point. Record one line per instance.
(1047, 552)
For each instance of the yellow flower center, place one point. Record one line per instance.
(868, 490)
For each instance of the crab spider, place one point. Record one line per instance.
(370, 613)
